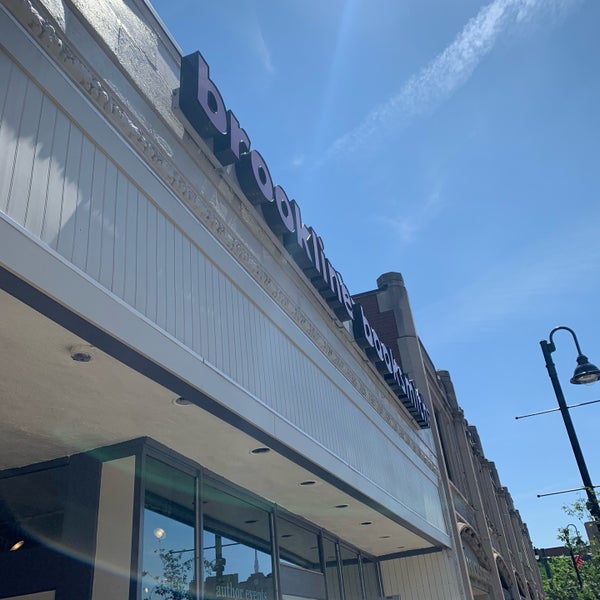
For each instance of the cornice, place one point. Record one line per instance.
(42, 28)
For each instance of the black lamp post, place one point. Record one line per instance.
(578, 542)
(585, 372)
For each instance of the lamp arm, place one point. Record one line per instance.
(571, 332)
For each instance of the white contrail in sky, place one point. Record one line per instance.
(447, 71)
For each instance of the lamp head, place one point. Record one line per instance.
(585, 371)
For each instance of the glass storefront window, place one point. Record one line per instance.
(236, 548)
(235, 561)
(300, 572)
(32, 509)
(168, 534)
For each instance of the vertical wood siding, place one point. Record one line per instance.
(67, 192)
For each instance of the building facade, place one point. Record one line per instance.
(493, 543)
(192, 404)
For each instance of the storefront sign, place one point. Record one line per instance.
(239, 593)
(202, 105)
(256, 587)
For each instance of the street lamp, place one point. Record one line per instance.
(578, 543)
(585, 372)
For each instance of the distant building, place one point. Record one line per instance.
(188, 407)
(495, 552)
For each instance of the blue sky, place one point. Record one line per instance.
(459, 144)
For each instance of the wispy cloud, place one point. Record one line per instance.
(449, 70)
(261, 48)
(298, 160)
(408, 226)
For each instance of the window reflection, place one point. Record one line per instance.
(236, 548)
(235, 561)
(32, 509)
(168, 535)
(300, 570)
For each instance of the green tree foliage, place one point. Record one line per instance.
(176, 579)
(559, 574)
(174, 582)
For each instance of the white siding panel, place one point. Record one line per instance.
(23, 166)
(141, 275)
(242, 345)
(161, 271)
(41, 169)
(6, 74)
(151, 263)
(225, 341)
(169, 250)
(82, 214)
(60, 144)
(118, 280)
(431, 576)
(12, 106)
(95, 216)
(70, 191)
(179, 322)
(130, 245)
(295, 381)
(269, 368)
(238, 301)
(186, 265)
(206, 312)
(198, 309)
(226, 319)
(217, 333)
(107, 243)
(94, 251)
(259, 348)
(211, 291)
(169, 257)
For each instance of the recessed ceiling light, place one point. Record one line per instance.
(308, 482)
(367, 523)
(384, 537)
(159, 533)
(401, 547)
(181, 401)
(341, 506)
(260, 450)
(17, 545)
(81, 353)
